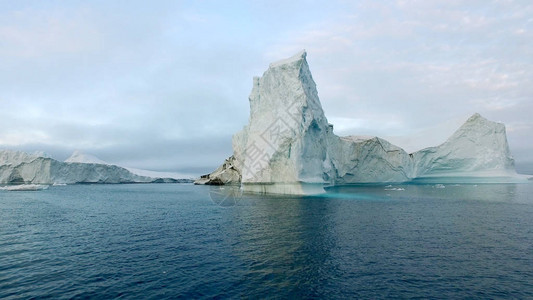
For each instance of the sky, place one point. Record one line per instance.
(163, 85)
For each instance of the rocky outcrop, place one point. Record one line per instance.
(227, 173)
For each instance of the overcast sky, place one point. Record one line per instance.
(163, 85)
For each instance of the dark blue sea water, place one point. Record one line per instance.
(160, 241)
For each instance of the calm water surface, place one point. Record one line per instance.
(176, 240)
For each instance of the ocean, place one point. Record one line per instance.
(167, 241)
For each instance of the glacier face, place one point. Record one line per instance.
(288, 147)
(22, 168)
(368, 160)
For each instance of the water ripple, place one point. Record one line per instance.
(171, 241)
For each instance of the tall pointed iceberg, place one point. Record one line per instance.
(283, 149)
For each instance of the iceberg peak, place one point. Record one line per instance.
(80, 157)
(477, 120)
(295, 58)
(475, 117)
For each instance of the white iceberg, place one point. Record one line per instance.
(288, 147)
(478, 148)
(22, 168)
(283, 149)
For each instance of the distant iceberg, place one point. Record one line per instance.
(20, 168)
(288, 146)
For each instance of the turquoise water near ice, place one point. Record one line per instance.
(159, 241)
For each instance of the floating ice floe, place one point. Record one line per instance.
(25, 187)
(394, 189)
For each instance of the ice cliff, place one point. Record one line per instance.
(288, 147)
(368, 160)
(284, 146)
(22, 168)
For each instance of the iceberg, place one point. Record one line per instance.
(288, 146)
(18, 168)
(477, 152)
(283, 149)
(478, 148)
